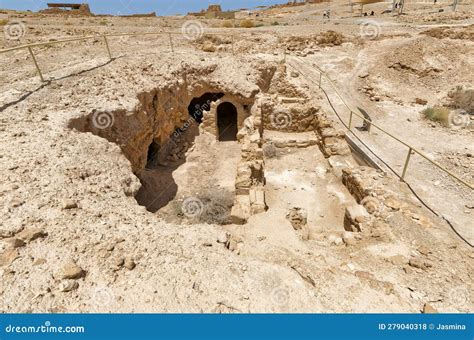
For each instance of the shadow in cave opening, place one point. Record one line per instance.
(158, 185)
(227, 122)
(200, 104)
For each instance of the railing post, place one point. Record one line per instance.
(350, 121)
(171, 42)
(107, 45)
(36, 64)
(406, 165)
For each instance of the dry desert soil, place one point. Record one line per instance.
(209, 168)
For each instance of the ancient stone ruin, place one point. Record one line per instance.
(68, 8)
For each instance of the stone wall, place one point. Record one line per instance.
(243, 106)
(250, 179)
(288, 117)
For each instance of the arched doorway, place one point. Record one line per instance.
(227, 122)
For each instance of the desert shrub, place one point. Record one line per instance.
(227, 24)
(217, 206)
(330, 38)
(214, 207)
(103, 22)
(437, 114)
(3, 22)
(275, 23)
(247, 23)
(215, 39)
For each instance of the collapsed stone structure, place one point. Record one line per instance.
(68, 8)
(214, 12)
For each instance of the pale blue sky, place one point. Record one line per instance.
(161, 7)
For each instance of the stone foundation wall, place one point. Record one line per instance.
(243, 106)
(288, 116)
(250, 179)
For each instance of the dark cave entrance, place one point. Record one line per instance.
(153, 150)
(203, 103)
(227, 122)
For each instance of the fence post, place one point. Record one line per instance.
(350, 121)
(171, 42)
(107, 45)
(36, 64)
(406, 165)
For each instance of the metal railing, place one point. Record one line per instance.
(322, 74)
(411, 149)
(30, 47)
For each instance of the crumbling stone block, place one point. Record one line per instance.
(354, 216)
(298, 217)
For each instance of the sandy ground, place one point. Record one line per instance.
(67, 196)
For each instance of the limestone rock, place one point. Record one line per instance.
(69, 204)
(223, 237)
(429, 309)
(381, 230)
(392, 203)
(13, 242)
(208, 47)
(305, 233)
(30, 234)
(421, 101)
(371, 204)
(335, 239)
(68, 285)
(257, 200)
(129, 264)
(298, 217)
(8, 257)
(354, 216)
(16, 202)
(417, 262)
(70, 271)
(348, 238)
(234, 244)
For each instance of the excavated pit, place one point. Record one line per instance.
(198, 150)
(174, 146)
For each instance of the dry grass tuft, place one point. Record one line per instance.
(247, 23)
(227, 24)
(437, 114)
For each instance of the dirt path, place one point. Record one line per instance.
(442, 193)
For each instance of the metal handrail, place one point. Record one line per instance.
(82, 38)
(410, 148)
